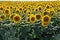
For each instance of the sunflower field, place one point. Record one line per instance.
(29, 20)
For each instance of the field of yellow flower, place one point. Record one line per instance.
(29, 20)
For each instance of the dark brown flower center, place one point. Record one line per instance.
(7, 11)
(20, 8)
(47, 6)
(38, 16)
(28, 12)
(2, 17)
(46, 19)
(45, 13)
(1, 8)
(36, 10)
(16, 18)
(32, 19)
(39, 8)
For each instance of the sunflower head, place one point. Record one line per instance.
(3, 16)
(52, 13)
(45, 13)
(16, 18)
(7, 12)
(20, 9)
(35, 9)
(28, 12)
(11, 16)
(32, 18)
(11, 7)
(48, 6)
(1, 8)
(38, 16)
(46, 18)
(39, 8)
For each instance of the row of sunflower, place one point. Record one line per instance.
(34, 11)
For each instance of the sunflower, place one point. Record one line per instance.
(32, 18)
(3, 16)
(16, 18)
(20, 9)
(38, 16)
(7, 12)
(1, 7)
(45, 13)
(52, 13)
(7, 7)
(28, 12)
(46, 18)
(11, 16)
(35, 9)
(11, 7)
(48, 6)
(39, 8)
